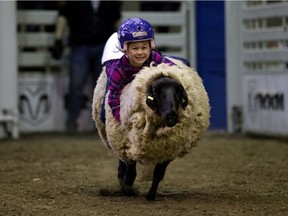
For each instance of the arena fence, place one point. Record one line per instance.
(257, 69)
(8, 71)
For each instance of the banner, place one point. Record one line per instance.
(41, 102)
(265, 104)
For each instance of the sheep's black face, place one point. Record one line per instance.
(165, 96)
(171, 119)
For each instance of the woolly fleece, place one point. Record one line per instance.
(140, 135)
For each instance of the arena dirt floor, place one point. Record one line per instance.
(64, 174)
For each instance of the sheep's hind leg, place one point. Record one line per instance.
(158, 175)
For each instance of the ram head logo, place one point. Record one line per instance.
(35, 104)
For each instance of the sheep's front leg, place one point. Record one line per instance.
(158, 175)
(126, 177)
(121, 170)
(127, 172)
(130, 174)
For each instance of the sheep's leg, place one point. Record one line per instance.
(127, 172)
(158, 175)
(122, 166)
(126, 177)
(130, 174)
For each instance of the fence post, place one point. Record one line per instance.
(8, 67)
(191, 33)
(234, 74)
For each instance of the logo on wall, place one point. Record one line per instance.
(35, 103)
(264, 100)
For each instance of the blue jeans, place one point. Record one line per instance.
(84, 60)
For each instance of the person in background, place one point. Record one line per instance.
(38, 5)
(90, 25)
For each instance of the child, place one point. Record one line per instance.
(136, 41)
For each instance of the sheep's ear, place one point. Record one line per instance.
(184, 97)
(150, 101)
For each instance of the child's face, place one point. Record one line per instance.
(138, 52)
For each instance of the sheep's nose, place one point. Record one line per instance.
(171, 119)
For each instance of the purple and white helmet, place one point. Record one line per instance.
(135, 29)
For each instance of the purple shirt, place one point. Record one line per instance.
(120, 72)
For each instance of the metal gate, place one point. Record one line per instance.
(262, 65)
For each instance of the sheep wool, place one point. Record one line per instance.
(141, 136)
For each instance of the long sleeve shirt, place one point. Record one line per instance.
(120, 72)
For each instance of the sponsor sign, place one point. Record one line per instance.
(41, 103)
(35, 103)
(265, 104)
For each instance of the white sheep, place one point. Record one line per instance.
(141, 136)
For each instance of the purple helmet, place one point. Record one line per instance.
(135, 29)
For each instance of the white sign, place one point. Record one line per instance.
(40, 103)
(265, 104)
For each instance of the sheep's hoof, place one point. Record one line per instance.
(128, 190)
(150, 197)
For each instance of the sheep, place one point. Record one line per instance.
(146, 133)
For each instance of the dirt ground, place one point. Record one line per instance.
(63, 174)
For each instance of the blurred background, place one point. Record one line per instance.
(239, 48)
